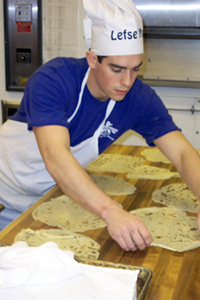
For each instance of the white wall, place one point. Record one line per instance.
(4, 95)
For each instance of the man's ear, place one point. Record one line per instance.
(91, 59)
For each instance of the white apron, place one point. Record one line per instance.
(88, 150)
(23, 176)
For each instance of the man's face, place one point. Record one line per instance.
(114, 76)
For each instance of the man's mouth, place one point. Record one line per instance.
(122, 92)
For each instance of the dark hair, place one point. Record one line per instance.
(100, 58)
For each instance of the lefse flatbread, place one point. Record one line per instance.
(177, 195)
(117, 163)
(64, 213)
(155, 155)
(170, 228)
(113, 185)
(150, 172)
(81, 245)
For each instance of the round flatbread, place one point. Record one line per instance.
(117, 163)
(177, 195)
(170, 228)
(155, 155)
(150, 172)
(113, 185)
(81, 245)
(64, 213)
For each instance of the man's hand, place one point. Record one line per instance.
(128, 231)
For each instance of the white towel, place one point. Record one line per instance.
(47, 264)
(48, 273)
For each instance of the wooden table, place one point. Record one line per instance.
(176, 276)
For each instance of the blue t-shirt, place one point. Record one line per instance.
(51, 96)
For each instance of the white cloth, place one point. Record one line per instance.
(23, 177)
(47, 264)
(113, 27)
(33, 274)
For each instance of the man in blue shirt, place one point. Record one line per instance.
(67, 104)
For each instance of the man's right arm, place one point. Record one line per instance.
(54, 145)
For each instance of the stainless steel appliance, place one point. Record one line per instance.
(23, 41)
(172, 47)
(172, 18)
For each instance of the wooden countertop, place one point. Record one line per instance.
(176, 275)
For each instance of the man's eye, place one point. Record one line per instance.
(116, 70)
(136, 69)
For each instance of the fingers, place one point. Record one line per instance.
(144, 235)
(138, 239)
(127, 244)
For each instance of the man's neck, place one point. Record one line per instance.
(94, 88)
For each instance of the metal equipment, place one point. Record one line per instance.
(23, 41)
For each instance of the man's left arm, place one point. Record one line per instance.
(185, 159)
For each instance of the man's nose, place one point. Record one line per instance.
(126, 78)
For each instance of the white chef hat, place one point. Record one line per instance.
(113, 27)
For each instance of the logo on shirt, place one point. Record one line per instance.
(108, 130)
